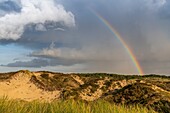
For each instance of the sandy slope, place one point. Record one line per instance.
(19, 87)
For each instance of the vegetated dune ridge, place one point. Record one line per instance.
(149, 90)
(19, 86)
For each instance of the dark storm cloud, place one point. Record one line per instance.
(33, 63)
(39, 62)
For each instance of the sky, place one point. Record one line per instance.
(69, 36)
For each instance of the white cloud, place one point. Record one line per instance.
(40, 27)
(65, 53)
(33, 12)
(59, 29)
(155, 4)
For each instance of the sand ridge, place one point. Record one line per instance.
(20, 87)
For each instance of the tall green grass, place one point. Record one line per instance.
(69, 106)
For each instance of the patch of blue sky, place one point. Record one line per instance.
(11, 52)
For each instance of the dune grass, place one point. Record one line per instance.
(69, 106)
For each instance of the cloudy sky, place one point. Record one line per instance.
(67, 36)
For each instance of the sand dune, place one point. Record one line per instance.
(20, 87)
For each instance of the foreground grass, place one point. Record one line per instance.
(70, 106)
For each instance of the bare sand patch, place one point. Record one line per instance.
(20, 87)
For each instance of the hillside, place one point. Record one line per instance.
(152, 91)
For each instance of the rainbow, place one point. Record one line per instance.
(118, 36)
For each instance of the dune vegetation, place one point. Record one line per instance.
(67, 106)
